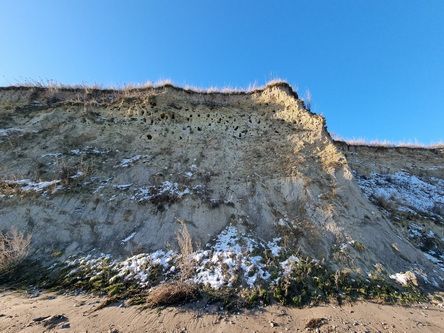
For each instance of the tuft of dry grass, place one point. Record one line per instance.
(8, 188)
(178, 291)
(387, 143)
(172, 293)
(186, 249)
(14, 248)
(307, 100)
(358, 246)
(316, 323)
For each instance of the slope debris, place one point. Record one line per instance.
(407, 185)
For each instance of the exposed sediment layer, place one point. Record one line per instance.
(115, 172)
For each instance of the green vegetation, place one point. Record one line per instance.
(291, 278)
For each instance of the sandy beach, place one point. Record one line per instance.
(50, 312)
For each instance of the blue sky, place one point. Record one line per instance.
(375, 68)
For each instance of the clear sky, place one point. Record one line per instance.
(375, 68)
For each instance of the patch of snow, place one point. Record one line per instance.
(344, 246)
(139, 266)
(400, 278)
(414, 230)
(128, 161)
(274, 248)
(436, 168)
(410, 193)
(234, 259)
(172, 189)
(288, 264)
(433, 259)
(28, 185)
(78, 174)
(51, 154)
(123, 187)
(7, 131)
(94, 150)
(128, 238)
(99, 188)
(233, 254)
(282, 223)
(431, 234)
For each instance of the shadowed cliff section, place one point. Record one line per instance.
(114, 171)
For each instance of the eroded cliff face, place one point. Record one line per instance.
(407, 186)
(116, 171)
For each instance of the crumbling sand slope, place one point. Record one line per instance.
(407, 185)
(115, 171)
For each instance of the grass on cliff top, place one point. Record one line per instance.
(54, 85)
(386, 143)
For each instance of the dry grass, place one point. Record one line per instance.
(186, 249)
(236, 90)
(315, 323)
(8, 188)
(388, 203)
(135, 89)
(13, 187)
(14, 248)
(178, 291)
(307, 100)
(54, 85)
(172, 293)
(387, 143)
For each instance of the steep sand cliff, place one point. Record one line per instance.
(116, 172)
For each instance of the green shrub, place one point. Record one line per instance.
(358, 246)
